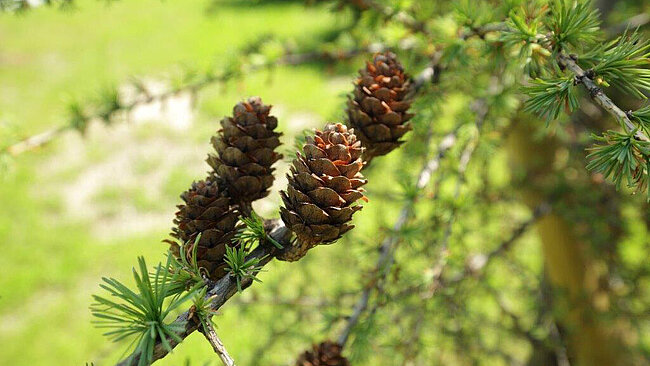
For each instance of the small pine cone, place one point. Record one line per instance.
(245, 151)
(207, 211)
(325, 354)
(323, 185)
(377, 111)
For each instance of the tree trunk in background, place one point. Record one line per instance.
(567, 260)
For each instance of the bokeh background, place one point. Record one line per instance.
(84, 206)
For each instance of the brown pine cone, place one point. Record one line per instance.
(325, 354)
(207, 211)
(323, 185)
(245, 151)
(378, 109)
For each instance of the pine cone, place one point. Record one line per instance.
(245, 153)
(207, 211)
(323, 185)
(325, 354)
(377, 111)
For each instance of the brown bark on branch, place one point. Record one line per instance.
(211, 335)
(598, 96)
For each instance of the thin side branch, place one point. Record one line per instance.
(482, 31)
(429, 74)
(37, 140)
(478, 263)
(290, 59)
(211, 335)
(481, 109)
(598, 96)
(386, 257)
(389, 13)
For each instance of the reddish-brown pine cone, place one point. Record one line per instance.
(378, 108)
(245, 151)
(324, 184)
(325, 354)
(206, 211)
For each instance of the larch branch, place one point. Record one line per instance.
(598, 95)
(220, 293)
(211, 335)
(289, 59)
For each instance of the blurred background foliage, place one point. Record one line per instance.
(85, 205)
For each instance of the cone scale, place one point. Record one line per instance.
(324, 184)
(206, 211)
(377, 110)
(324, 354)
(245, 152)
